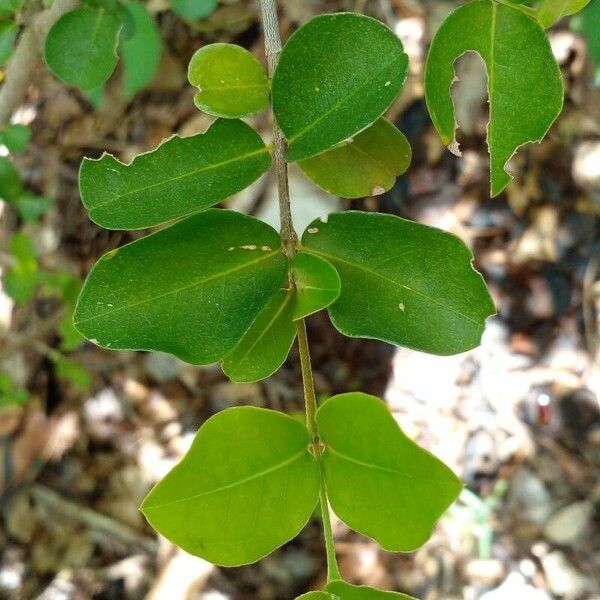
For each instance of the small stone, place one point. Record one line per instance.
(486, 571)
(570, 523)
(563, 578)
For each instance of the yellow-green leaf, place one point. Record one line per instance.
(366, 165)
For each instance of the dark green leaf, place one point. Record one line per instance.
(345, 591)
(193, 10)
(180, 177)
(81, 47)
(231, 81)
(402, 282)
(141, 52)
(247, 485)
(8, 34)
(265, 346)
(337, 74)
(192, 289)
(524, 81)
(379, 482)
(15, 138)
(587, 24)
(366, 166)
(317, 284)
(11, 186)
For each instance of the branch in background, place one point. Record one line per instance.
(27, 57)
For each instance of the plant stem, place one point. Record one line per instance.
(289, 240)
(273, 50)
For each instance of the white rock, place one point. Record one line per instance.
(570, 523)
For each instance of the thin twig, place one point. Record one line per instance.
(27, 57)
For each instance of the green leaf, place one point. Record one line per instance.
(231, 81)
(8, 34)
(180, 177)
(31, 207)
(81, 47)
(10, 395)
(21, 280)
(365, 166)
(141, 52)
(379, 482)
(192, 289)
(15, 138)
(317, 284)
(336, 76)
(10, 7)
(524, 82)
(73, 372)
(345, 591)
(586, 23)
(11, 186)
(551, 11)
(315, 596)
(247, 485)
(402, 282)
(194, 10)
(266, 344)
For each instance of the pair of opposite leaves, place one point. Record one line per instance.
(236, 511)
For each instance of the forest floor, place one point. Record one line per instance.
(517, 418)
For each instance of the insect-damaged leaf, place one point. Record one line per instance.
(317, 284)
(266, 344)
(182, 176)
(81, 46)
(337, 74)
(402, 282)
(524, 82)
(379, 482)
(231, 81)
(247, 485)
(367, 165)
(192, 289)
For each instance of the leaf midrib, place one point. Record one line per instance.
(359, 267)
(202, 169)
(391, 471)
(340, 103)
(182, 289)
(281, 465)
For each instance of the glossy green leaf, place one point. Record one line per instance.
(317, 284)
(81, 46)
(379, 482)
(192, 289)
(524, 82)
(231, 81)
(141, 52)
(21, 279)
(180, 177)
(11, 186)
(551, 11)
(247, 485)
(8, 34)
(337, 75)
(366, 166)
(402, 282)
(15, 137)
(193, 10)
(345, 591)
(266, 344)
